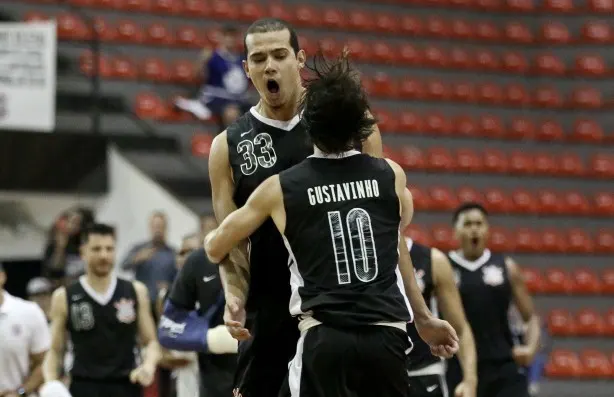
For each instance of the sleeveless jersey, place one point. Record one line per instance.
(420, 356)
(342, 231)
(486, 294)
(259, 148)
(103, 330)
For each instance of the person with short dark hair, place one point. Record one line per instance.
(339, 213)
(106, 317)
(489, 284)
(266, 140)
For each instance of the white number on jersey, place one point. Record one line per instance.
(265, 158)
(362, 245)
(82, 316)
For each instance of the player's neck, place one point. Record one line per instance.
(284, 113)
(471, 255)
(99, 284)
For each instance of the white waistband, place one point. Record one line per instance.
(310, 322)
(434, 369)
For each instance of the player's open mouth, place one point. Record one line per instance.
(475, 241)
(272, 86)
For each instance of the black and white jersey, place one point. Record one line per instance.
(258, 148)
(103, 330)
(420, 356)
(486, 294)
(342, 231)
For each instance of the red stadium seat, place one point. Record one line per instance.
(518, 32)
(410, 55)
(490, 94)
(463, 92)
(392, 153)
(603, 204)
(359, 50)
(35, 16)
(201, 144)
(553, 240)
(224, 9)
(497, 201)
(491, 126)
(571, 164)
(520, 5)
(607, 278)
(422, 200)
(557, 281)
(561, 323)
(383, 53)
(586, 97)
(549, 64)
(491, 5)
(515, 62)
(495, 161)
(189, 37)
(524, 202)
(416, 233)
(521, 128)
(277, 10)
(196, 8)
(410, 122)
(437, 124)
(550, 131)
(133, 5)
(595, 364)
(250, 11)
(123, 68)
(149, 106)
(171, 7)
(547, 97)
(548, 203)
(605, 241)
(533, 280)
(586, 282)
(71, 27)
(563, 364)
(545, 164)
(527, 241)
(590, 65)
(385, 120)
(576, 203)
(500, 240)
(468, 194)
(601, 6)
(305, 15)
(443, 238)
(411, 25)
(487, 31)
(468, 161)
(387, 23)
(579, 241)
(412, 158)
(158, 33)
(333, 18)
(86, 65)
(329, 47)
(154, 69)
(555, 32)
(382, 85)
(609, 323)
(442, 198)
(436, 26)
(464, 125)
(587, 131)
(516, 94)
(440, 159)
(182, 72)
(602, 165)
(461, 29)
(411, 89)
(597, 32)
(521, 163)
(487, 60)
(129, 31)
(360, 20)
(435, 57)
(558, 6)
(460, 59)
(437, 90)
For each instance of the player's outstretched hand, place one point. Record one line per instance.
(465, 389)
(234, 318)
(439, 335)
(143, 375)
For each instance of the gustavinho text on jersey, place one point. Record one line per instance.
(343, 191)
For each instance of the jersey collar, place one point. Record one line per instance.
(282, 125)
(470, 265)
(317, 153)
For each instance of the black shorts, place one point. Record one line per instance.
(368, 361)
(262, 363)
(428, 386)
(495, 379)
(104, 388)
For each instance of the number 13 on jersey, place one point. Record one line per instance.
(362, 245)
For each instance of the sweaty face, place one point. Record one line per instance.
(472, 232)
(99, 254)
(273, 67)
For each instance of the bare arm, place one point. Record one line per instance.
(147, 328)
(373, 145)
(54, 357)
(35, 380)
(234, 270)
(450, 303)
(261, 205)
(524, 303)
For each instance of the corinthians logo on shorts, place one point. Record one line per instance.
(125, 310)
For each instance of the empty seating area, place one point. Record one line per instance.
(504, 102)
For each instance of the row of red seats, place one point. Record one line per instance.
(381, 22)
(523, 240)
(586, 322)
(587, 364)
(517, 201)
(580, 281)
(381, 85)
(374, 51)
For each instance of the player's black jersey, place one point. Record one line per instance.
(342, 228)
(486, 294)
(259, 148)
(103, 330)
(420, 356)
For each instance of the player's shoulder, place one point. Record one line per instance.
(22, 305)
(242, 126)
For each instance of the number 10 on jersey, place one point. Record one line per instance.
(362, 246)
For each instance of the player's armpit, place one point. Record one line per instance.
(524, 303)
(263, 203)
(449, 301)
(54, 357)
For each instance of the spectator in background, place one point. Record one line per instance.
(39, 291)
(62, 251)
(225, 90)
(153, 261)
(24, 340)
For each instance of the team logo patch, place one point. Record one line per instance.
(125, 310)
(420, 279)
(492, 275)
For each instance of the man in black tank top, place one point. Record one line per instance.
(263, 142)
(103, 315)
(426, 371)
(339, 214)
(488, 283)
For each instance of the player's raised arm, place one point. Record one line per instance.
(449, 301)
(58, 315)
(523, 354)
(261, 205)
(234, 270)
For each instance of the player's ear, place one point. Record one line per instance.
(301, 57)
(246, 69)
